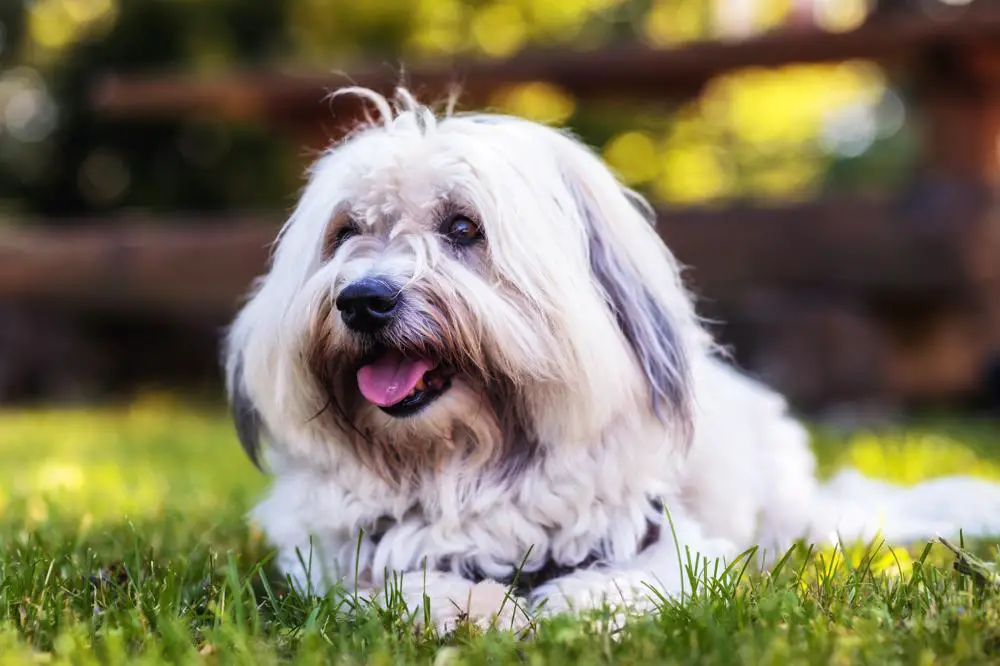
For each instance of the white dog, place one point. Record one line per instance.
(474, 363)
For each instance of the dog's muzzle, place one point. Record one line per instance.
(397, 381)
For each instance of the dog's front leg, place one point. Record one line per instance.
(445, 599)
(439, 599)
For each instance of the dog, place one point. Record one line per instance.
(475, 373)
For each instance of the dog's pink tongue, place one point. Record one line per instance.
(391, 378)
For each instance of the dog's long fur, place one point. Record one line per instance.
(587, 395)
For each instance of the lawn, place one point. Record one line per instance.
(122, 539)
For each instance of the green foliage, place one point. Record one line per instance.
(751, 135)
(123, 540)
(90, 164)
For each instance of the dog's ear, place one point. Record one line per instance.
(246, 417)
(646, 320)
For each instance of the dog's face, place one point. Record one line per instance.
(476, 286)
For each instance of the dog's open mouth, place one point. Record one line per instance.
(402, 385)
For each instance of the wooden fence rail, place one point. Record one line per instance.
(840, 298)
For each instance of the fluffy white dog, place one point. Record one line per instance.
(474, 363)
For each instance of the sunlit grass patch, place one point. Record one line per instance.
(911, 458)
(913, 454)
(135, 461)
(123, 539)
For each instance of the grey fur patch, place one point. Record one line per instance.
(246, 418)
(645, 323)
(520, 448)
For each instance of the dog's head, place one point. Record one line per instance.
(475, 285)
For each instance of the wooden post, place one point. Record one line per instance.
(959, 108)
(960, 93)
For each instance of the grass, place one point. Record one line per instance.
(122, 540)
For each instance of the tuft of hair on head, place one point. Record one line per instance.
(402, 109)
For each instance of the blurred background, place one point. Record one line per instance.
(828, 170)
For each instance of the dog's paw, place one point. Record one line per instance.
(493, 606)
(487, 605)
(447, 603)
(603, 610)
(587, 591)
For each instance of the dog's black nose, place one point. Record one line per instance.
(368, 304)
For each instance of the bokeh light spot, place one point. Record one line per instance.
(104, 177)
(633, 156)
(55, 24)
(499, 29)
(840, 15)
(890, 114)
(50, 25)
(437, 27)
(670, 22)
(538, 101)
(87, 11)
(559, 21)
(692, 174)
(849, 131)
(30, 115)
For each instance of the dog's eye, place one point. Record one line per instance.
(462, 231)
(342, 235)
